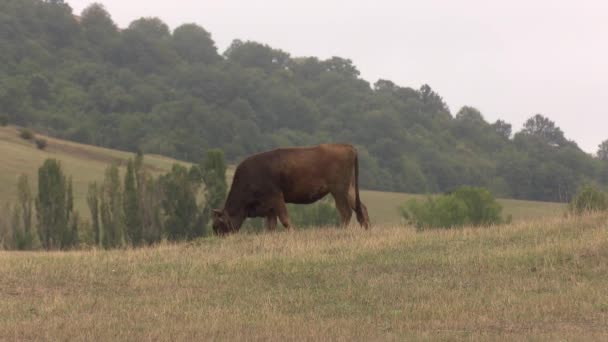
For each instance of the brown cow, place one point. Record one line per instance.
(264, 182)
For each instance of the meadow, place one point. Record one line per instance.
(531, 280)
(87, 164)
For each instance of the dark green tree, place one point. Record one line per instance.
(131, 206)
(145, 46)
(111, 209)
(602, 150)
(22, 228)
(98, 26)
(213, 172)
(194, 44)
(545, 129)
(179, 202)
(54, 205)
(70, 235)
(502, 128)
(93, 203)
(255, 55)
(342, 66)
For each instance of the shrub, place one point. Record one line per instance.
(3, 120)
(26, 134)
(322, 213)
(41, 143)
(465, 206)
(588, 199)
(319, 214)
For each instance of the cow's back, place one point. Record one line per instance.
(307, 174)
(300, 174)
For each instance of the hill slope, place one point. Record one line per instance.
(86, 164)
(532, 280)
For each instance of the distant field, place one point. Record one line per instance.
(87, 163)
(533, 280)
(383, 206)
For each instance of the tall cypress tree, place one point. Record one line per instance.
(93, 203)
(111, 209)
(133, 224)
(23, 235)
(213, 171)
(53, 205)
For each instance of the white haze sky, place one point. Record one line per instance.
(509, 59)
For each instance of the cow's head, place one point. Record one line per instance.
(222, 224)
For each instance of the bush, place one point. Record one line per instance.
(465, 206)
(41, 143)
(588, 199)
(322, 213)
(3, 120)
(319, 214)
(26, 134)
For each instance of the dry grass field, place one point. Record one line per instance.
(87, 163)
(532, 280)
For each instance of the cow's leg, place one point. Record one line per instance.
(271, 222)
(362, 217)
(343, 208)
(282, 212)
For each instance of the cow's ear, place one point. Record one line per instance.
(217, 212)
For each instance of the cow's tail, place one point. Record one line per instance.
(361, 215)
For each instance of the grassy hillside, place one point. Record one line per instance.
(383, 206)
(539, 280)
(87, 164)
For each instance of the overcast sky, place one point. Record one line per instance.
(509, 59)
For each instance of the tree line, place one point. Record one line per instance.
(136, 208)
(148, 88)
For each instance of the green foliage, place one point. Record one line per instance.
(23, 232)
(213, 173)
(111, 210)
(93, 194)
(319, 214)
(54, 207)
(465, 206)
(502, 128)
(6, 228)
(3, 120)
(150, 205)
(149, 197)
(602, 151)
(130, 213)
(41, 143)
(179, 203)
(545, 129)
(26, 134)
(194, 44)
(131, 208)
(588, 199)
